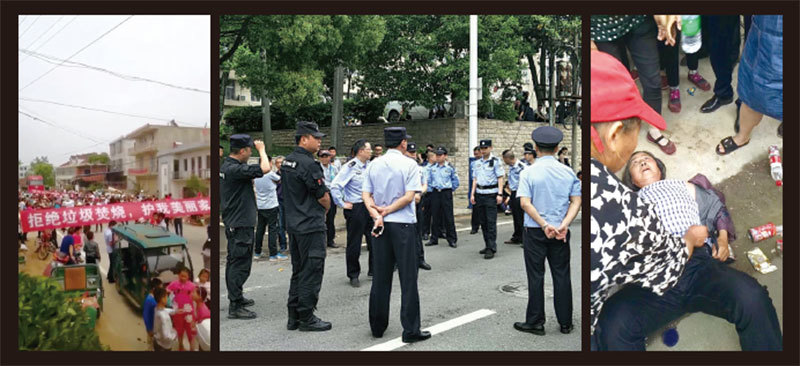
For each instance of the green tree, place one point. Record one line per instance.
(195, 185)
(40, 166)
(50, 320)
(99, 159)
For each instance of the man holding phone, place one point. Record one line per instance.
(390, 185)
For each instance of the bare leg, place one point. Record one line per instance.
(748, 119)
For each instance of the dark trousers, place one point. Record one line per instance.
(538, 247)
(111, 258)
(359, 224)
(518, 215)
(643, 47)
(281, 227)
(426, 217)
(486, 210)
(239, 261)
(395, 246)
(329, 217)
(91, 259)
(308, 264)
(442, 213)
(721, 35)
(474, 221)
(420, 247)
(706, 285)
(267, 218)
(178, 221)
(670, 61)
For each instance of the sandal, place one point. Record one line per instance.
(668, 149)
(729, 145)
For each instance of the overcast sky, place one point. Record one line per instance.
(170, 49)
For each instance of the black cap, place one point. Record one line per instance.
(486, 143)
(412, 146)
(393, 135)
(241, 140)
(547, 136)
(528, 147)
(324, 152)
(308, 128)
(441, 150)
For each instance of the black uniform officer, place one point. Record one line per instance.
(305, 200)
(239, 211)
(389, 188)
(411, 153)
(487, 180)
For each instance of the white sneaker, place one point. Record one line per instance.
(273, 258)
(257, 257)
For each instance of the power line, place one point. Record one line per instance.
(66, 63)
(105, 111)
(51, 37)
(29, 27)
(79, 51)
(45, 32)
(58, 126)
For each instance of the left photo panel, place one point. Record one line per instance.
(114, 170)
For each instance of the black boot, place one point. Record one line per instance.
(314, 324)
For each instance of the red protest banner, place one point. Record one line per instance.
(37, 220)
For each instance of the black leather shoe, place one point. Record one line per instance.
(473, 232)
(377, 335)
(512, 241)
(423, 335)
(292, 324)
(247, 302)
(714, 103)
(482, 251)
(425, 237)
(430, 244)
(354, 282)
(529, 328)
(424, 265)
(566, 329)
(314, 325)
(332, 245)
(453, 245)
(240, 312)
(489, 255)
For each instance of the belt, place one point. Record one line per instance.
(487, 187)
(442, 190)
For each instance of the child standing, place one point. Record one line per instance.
(203, 280)
(201, 312)
(149, 308)
(164, 334)
(183, 318)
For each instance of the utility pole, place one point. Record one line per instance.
(473, 82)
(336, 114)
(266, 121)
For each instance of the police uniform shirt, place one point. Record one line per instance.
(347, 185)
(514, 172)
(443, 177)
(388, 178)
(486, 173)
(549, 184)
(303, 185)
(428, 172)
(237, 198)
(329, 173)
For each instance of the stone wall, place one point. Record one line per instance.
(452, 133)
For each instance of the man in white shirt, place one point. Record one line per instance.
(267, 204)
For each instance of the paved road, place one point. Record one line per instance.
(461, 294)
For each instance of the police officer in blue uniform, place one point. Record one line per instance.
(391, 183)
(550, 195)
(444, 181)
(346, 191)
(238, 209)
(487, 180)
(411, 153)
(515, 167)
(474, 222)
(529, 154)
(430, 162)
(306, 200)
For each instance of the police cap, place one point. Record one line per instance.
(308, 128)
(528, 147)
(394, 135)
(547, 136)
(412, 146)
(441, 150)
(241, 140)
(486, 143)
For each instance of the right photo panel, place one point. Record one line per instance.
(686, 183)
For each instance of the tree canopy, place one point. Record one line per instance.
(40, 166)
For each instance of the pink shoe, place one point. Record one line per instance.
(675, 101)
(699, 81)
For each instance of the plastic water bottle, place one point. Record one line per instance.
(775, 165)
(690, 33)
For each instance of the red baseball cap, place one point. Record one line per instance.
(615, 96)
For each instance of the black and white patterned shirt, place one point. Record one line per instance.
(629, 243)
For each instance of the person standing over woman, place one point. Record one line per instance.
(391, 182)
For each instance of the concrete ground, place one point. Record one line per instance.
(470, 302)
(744, 178)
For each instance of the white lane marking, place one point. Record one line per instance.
(436, 329)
